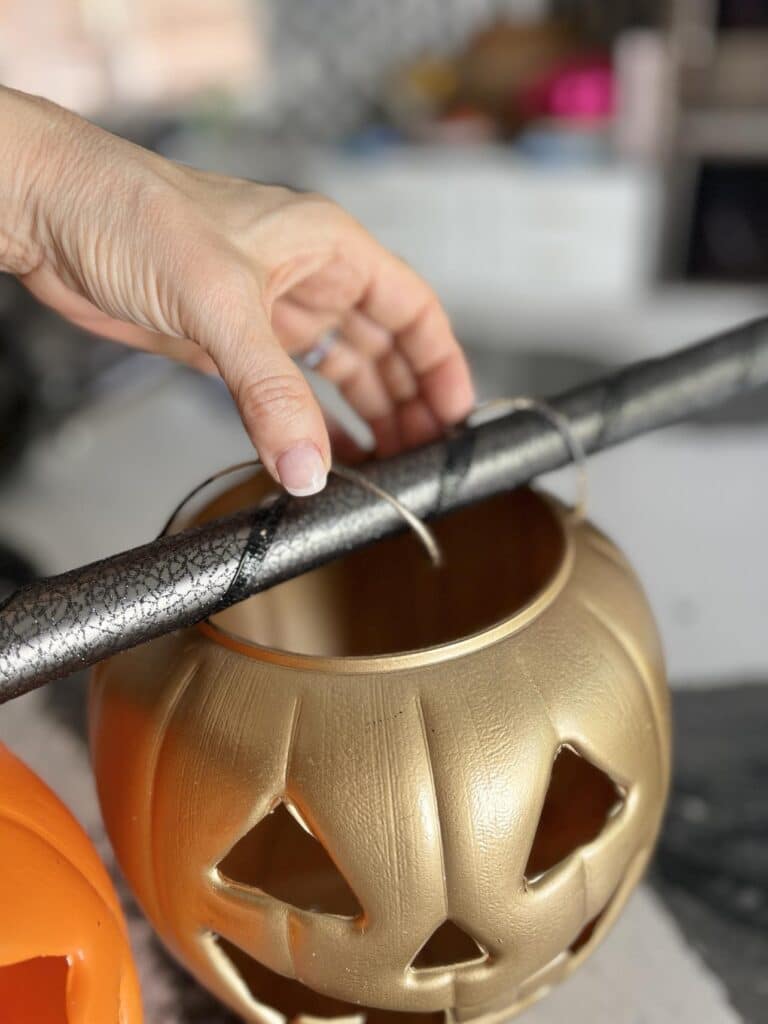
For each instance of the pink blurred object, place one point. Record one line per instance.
(581, 90)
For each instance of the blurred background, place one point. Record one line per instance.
(585, 183)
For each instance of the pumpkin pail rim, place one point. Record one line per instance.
(394, 661)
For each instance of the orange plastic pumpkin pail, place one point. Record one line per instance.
(64, 951)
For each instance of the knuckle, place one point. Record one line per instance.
(316, 210)
(320, 202)
(277, 397)
(307, 199)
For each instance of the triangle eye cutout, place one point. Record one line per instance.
(448, 946)
(579, 802)
(281, 856)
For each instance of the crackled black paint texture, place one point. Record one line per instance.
(52, 627)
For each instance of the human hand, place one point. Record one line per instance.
(231, 276)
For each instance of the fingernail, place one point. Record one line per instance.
(301, 470)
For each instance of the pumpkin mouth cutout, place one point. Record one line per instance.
(501, 557)
(295, 1001)
(584, 937)
(35, 990)
(539, 984)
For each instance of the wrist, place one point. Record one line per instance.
(22, 130)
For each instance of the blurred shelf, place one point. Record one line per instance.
(485, 225)
(725, 68)
(481, 223)
(724, 133)
(717, 116)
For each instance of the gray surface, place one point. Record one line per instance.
(712, 866)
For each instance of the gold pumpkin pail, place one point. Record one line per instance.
(390, 792)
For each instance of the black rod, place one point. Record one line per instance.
(54, 626)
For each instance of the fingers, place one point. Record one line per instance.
(299, 329)
(401, 302)
(372, 374)
(369, 337)
(382, 307)
(278, 409)
(345, 364)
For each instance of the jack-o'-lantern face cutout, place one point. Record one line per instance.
(64, 953)
(436, 801)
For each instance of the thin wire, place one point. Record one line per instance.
(419, 527)
(422, 531)
(496, 407)
(489, 410)
(227, 471)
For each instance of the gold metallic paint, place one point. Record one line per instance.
(421, 772)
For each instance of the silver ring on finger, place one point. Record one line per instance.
(325, 344)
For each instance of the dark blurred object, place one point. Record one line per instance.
(48, 368)
(17, 391)
(508, 76)
(502, 63)
(712, 864)
(714, 224)
(599, 23)
(741, 14)
(729, 230)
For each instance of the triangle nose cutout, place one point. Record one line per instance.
(448, 946)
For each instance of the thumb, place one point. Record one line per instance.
(278, 408)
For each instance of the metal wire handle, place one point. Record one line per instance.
(484, 412)
(419, 527)
(496, 407)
